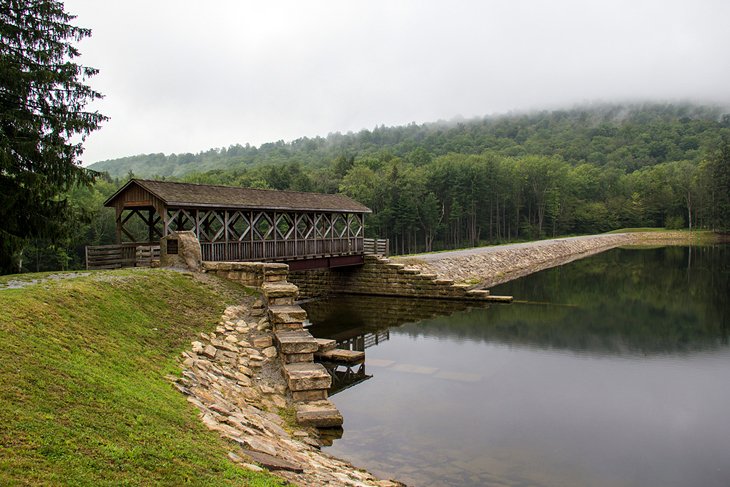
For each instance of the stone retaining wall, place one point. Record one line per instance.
(234, 377)
(252, 274)
(381, 277)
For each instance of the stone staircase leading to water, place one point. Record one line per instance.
(308, 381)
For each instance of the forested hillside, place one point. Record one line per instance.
(491, 180)
(625, 136)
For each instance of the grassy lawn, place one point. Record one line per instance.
(83, 394)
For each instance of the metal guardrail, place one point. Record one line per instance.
(377, 246)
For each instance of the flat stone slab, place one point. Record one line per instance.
(326, 344)
(340, 355)
(322, 414)
(478, 293)
(271, 462)
(500, 299)
(313, 395)
(279, 290)
(287, 313)
(293, 358)
(296, 341)
(307, 376)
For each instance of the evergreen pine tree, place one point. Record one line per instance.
(43, 121)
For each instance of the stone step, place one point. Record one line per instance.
(279, 290)
(340, 355)
(311, 395)
(321, 414)
(327, 436)
(326, 344)
(443, 282)
(478, 293)
(296, 342)
(307, 376)
(287, 301)
(295, 358)
(287, 313)
(500, 299)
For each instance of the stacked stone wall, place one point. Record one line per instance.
(252, 274)
(379, 276)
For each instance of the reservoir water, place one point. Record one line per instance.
(608, 371)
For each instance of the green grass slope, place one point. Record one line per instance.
(83, 394)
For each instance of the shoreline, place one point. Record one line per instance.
(233, 377)
(484, 267)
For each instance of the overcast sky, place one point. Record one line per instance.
(185, 76)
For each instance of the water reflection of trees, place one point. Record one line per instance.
(664, 300)
(625, 301)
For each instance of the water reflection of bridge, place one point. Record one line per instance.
(346, 375)
(366, 340)
(360, 322)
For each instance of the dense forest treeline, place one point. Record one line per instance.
(624, 136)
(490, 180)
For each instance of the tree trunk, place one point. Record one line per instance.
(689, 210)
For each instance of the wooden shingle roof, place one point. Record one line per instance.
(188, 195)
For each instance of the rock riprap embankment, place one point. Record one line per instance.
(490, 266)
(234, 377)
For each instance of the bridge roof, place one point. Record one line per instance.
(188, 195)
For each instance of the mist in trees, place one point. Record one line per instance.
(544, 175)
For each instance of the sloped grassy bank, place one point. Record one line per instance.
(83, 394)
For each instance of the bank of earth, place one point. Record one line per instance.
(94, 392)
(484, 267)
(90, 381)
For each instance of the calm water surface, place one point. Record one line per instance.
(609, 371)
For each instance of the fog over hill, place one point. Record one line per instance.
(628, 136)
(194, 75)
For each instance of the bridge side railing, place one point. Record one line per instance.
(377, 246)
(280, 249)
(142, 254)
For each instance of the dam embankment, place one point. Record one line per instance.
(485, 267)
(459, 274)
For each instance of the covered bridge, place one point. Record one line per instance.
(242, 224)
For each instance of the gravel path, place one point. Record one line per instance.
(435, 256)
(24, 282)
